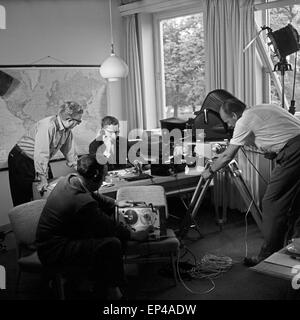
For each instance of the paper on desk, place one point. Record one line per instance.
(194, 171)
(282, 259)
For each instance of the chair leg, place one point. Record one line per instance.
(173, 263)
(59, 284)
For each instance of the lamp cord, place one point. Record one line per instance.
(111, 29)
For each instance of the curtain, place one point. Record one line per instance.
(133, 85)
(229, 26)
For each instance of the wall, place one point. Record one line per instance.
(74, 31)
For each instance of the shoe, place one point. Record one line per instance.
(253, 261)
(114, 293)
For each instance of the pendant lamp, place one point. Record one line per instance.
(113, 68)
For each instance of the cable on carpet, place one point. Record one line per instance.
(209, 267)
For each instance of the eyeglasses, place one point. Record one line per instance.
(76, 120)
(111, 131)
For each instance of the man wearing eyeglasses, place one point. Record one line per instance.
(108, 147)
(29, 158)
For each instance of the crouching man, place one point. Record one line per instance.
(76, 228)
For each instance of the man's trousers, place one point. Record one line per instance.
(280, 199)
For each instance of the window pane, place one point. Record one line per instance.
(279, 18)
(183, 63)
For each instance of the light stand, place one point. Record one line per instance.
(282, 66)
(292, 108)
(285, 41)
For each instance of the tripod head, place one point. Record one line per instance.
(283, 66)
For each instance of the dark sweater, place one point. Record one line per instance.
(97, 145)
(71, 213)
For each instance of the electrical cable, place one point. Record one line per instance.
(209, 267)
(243, 150)
(246, 229)
(111, 29)
(186, 287)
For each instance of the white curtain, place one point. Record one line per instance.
(133, 85)
(229, 27)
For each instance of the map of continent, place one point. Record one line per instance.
(39, 93)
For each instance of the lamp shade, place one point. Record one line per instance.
(113, 68)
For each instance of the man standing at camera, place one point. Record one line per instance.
(276, 133)
(29, 158)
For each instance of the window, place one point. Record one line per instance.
(180, 64)
(277, 18)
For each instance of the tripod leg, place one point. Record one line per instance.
(219, 195)
(225, 198)
(200, 198)
(189, 219)
(246, 194)
(196, 227)
(216, 195)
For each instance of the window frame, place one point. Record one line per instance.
(158, 50)
(268, 72)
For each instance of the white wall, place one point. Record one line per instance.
(75, 31)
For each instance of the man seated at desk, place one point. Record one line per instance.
(76, 228)
(108, 147)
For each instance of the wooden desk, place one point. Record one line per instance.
(174, 185)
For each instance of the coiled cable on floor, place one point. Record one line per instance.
(209, 267)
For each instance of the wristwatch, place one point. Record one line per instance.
(211, 170)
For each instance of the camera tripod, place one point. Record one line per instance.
(233, 171)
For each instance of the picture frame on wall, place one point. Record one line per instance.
(37, 91)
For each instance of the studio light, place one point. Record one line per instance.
(285, 41)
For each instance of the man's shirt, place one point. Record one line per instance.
(267, 127)
(43, 141)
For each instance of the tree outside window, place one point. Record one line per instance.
(183, 62)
